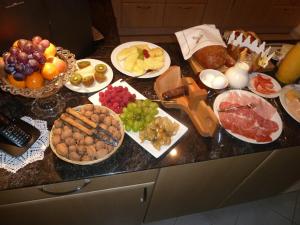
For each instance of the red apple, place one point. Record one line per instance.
(61, 66)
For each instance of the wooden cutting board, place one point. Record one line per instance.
(193, 104)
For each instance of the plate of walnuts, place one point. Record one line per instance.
(86, 134)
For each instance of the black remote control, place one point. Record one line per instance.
(13, 133)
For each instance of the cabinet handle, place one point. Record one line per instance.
(145, 195)
(143, 7)
(14, 4)
(76, 189)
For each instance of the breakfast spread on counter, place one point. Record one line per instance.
(232, 67)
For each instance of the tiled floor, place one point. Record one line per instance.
(280, 210)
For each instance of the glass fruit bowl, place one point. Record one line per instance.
(51, 87)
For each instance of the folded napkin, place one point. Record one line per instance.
(195, 38)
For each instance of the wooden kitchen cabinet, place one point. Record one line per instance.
(196, 187)
(120, 199)
(271, 19)
(140, 15)
(279, 171)
(183, 15)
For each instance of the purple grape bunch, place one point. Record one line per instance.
(26, 57)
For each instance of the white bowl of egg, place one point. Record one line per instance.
(213, 79)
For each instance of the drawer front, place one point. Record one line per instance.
(76, 187)
(141, 15)
(183, 15)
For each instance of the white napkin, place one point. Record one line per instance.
(195, 38)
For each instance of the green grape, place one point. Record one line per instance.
(153, 105)
(127, 128)
(123, 116)
(135, 127)
(137, 115)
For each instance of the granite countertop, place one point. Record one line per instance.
(131, 157)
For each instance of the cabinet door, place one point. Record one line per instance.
(141, 15)
(246, 14)
(125, 205)
(276, 174)
(200, 186)
(284, 17)
(17, 20)
(183, 15)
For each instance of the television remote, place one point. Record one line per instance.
(13, 133)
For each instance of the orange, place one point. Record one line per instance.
(49, 71)
(16, 83)
(34, 80)
(50, 51)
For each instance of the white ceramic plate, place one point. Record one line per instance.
(135, 135)
(96, 86)
(276, 88)
(276, 118)
(118, 65)
(284, 90)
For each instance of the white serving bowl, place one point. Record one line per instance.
(213, 79)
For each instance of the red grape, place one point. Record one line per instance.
(45, 43)
(21, 43)
(22, 57)
(28, 47)
(36, 40)
(33, 64)
(9, 69)
(11, 59)
(14, 50)
(28, 69)
(20, 67)
(19, 76)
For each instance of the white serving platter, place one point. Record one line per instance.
(135, 135)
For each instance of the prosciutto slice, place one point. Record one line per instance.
(254, 123)
(263, 85)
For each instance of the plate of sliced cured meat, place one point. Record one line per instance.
(248, 117)
(264, 85)
(290, 100)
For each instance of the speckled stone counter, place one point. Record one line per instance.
(131, 157)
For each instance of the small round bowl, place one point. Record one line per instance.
(51, 87)
(213, 79)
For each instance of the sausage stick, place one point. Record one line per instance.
(84, 119)
(74, 123)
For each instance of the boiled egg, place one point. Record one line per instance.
(218, 82)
